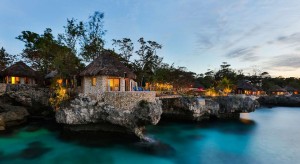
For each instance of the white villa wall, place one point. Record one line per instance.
(101, 85)
(122, 84)
(94, 91)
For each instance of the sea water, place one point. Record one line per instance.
(269, 135)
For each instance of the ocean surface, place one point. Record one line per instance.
(269, 135)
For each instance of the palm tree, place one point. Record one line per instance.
(225, 85)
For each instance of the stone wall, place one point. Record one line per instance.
(2, 88)
(127, 100)
(94, 91)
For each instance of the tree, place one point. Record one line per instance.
(208, 80)
(72, 34)
(39, 49)
(125, 47)
(265, 75)
(46, 54)
(183, 78)
(92, 42)
(5, 58)
(225, 71)
(148, 62)
(164, 74)
(225, 85)
(148, 59)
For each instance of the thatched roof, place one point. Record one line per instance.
(246, 86)
(52, 74)
(107, 64)
(1, 70)
(276, 88)
(290, 89)
(19, 69)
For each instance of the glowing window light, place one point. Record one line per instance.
(94, 81)
(13, 80)
(17, 80)
(114, 84)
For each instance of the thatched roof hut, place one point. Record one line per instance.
(19, 69)
(290, 89)
(277, 88)
(109, 65)
(244, 85)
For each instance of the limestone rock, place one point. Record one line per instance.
(83, 111)
(292, 101)
(184, 108)
(212, 107)
(12, 115)
(197, 109)
(2, 123)
(34, 98)
(236, 104)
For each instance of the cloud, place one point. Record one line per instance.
(244, 54)
(291, 61)
(204, 42)
(290, 40)
(253, 31)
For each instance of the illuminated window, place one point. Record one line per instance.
(114, 84)
(17, 80)
(94, 81)
(13, 80)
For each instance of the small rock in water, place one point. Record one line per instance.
(148, 139)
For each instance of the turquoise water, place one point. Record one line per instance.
(265, 136)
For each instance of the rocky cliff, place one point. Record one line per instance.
(11, 115)
(18, 102)
(188, 108)
(236, 104)
(83, 113)
(290, 101)
(197, 109)
(232, 106)
(35, 99)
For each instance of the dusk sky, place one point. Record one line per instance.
(197, 34)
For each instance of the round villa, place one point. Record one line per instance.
(105, 74)
(19, 73)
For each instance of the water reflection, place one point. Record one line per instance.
(156, 148)
(32, 151)
(97, 139)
